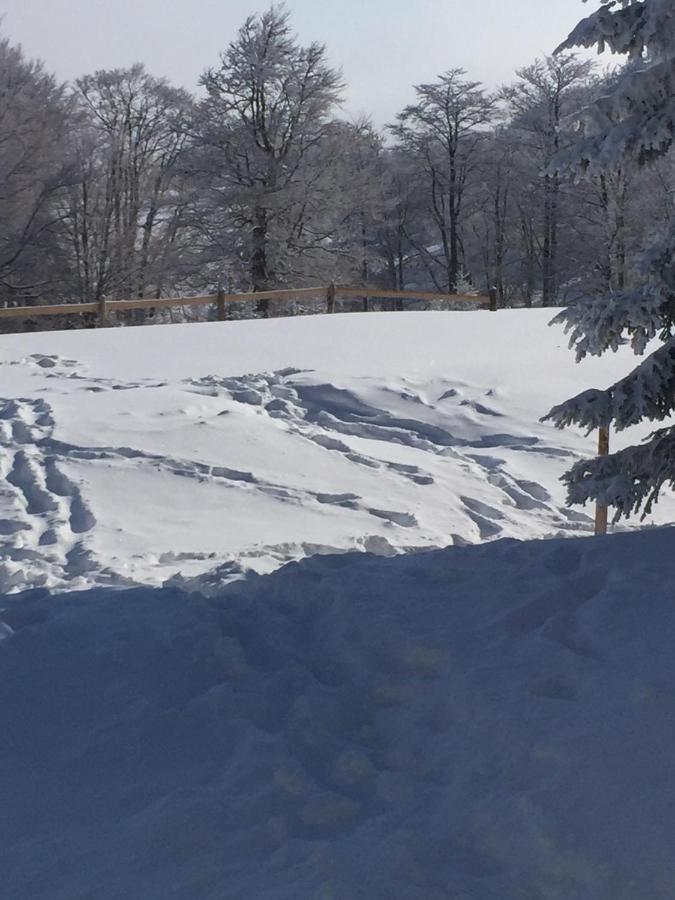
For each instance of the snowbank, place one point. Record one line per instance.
(132, 456)
(492, 722)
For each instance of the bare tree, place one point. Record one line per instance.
(35, 117)
(494, 219)
(259, 132)
(394, 243)
(538, 103)
(125, 208)
(443, 130)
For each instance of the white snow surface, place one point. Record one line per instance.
(491, 722)
(209, 689)
(134, 456)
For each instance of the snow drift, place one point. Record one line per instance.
(132, 456)
(485, 722)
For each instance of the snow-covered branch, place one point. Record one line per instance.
(629, 481)
(647, 393)
(598, 324)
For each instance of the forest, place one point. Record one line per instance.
(122, 185)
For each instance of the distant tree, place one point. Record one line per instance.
(393, 241)
(443, 130)
(124, 209)
(538, 104)
(35, 118)
(258, 142)
(495, 218)
(357, 201)
(631, 127)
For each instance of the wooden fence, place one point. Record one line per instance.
(331, 293)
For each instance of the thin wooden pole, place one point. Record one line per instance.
(220, 300)
(331, 298)
(602, 512)
(102, 313)
(493, 299)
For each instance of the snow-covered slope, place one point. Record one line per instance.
(492, 722)
(137, 455)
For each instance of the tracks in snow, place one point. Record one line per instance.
(43, 515)
(329, 416)
(46, 521)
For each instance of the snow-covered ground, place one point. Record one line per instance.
(492, 722)
(132, 456)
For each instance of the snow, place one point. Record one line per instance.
(492, 722)
(133, 456)
(234, 662)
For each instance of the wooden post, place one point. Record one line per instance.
(602, 512)
(220, 300)
(102, 313)
(493, 299)
(331, 297)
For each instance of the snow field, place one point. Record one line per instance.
(134, 456)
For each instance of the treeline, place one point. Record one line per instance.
(122, 185)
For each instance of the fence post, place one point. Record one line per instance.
(601, 511)
(220, 300)
(493, 299)
(102, 313)
(331, 297)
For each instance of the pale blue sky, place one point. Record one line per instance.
(383, 46)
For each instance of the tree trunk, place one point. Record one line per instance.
(529, 260)
(454, 231)
(553, 245)
(259, 275)
(606, 268)
(364, 264)
(501, 197)
(621, 231)
(400, 267)
(550, 243)
(546, 245)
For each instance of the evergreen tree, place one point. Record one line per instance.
(632, 126)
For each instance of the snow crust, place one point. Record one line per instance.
(135, 456)
(492, 722)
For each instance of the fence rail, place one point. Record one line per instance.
(330, 292)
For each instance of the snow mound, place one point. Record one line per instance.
(493, 722)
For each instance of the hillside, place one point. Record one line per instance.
(133, 456)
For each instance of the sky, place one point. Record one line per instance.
(383, 46)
